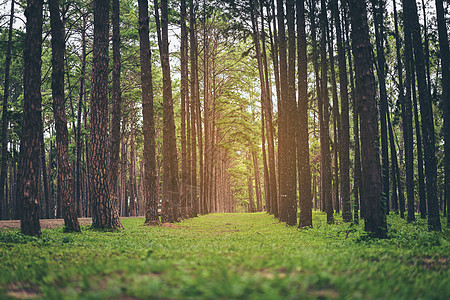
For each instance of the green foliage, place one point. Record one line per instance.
(245, 256)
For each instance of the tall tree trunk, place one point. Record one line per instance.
(251, 201)
(65, 182)
(358, 205)
(375, 218)
(324, 125)
(183, 94)
(45, 176)
(394, 164)
(259, 206)
(103, 213)
(291, 117)
(116, 111)
(123, 172)
(336, 116)
(3, 170)
(286, 148)
(405, 103)
(193, 108)
(28, 189)
(79, 146)
(132, 173)
(445, 65)
(344, 133)
(303, 165)
(420, 171)
(150, 187)
(378, 8)
(434, 222)
(171, 195)
(315, 61)
(268, 121)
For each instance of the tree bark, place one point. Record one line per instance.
(116, 111)
(303, 165)
(28, 190)
(103, 213)
(405, 103)
(65, 180)
(4, 169)
(378, 8)
(375, 218)
(183, 95)
(445, 65)
(344, 133)
(150, 187)
(434, 223)
(79, 143)
(193, 109)
(259, 206)
(171, 195)
(325, 120)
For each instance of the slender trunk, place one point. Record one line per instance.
(171, 195)
(315, 61)
(405, 103)
(3, 170)
(193, 108)
(79, 146)
(150, 187)
(65, 183)
(375, 218)
(103, 211)
(358, 205)
(303, 165)
(378, 7)
(394, 164)
(28, 189)
(183, 94)
(324, 125)
(434, 223)
(45, 177)
(344, 132)
(259, 206)
(336, 116)
(251, 201)
(116, 112)
(132, 175)
(445, 65)
(268, 120)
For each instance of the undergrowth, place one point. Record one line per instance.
(228, 256)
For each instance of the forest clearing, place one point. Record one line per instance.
(228, 256)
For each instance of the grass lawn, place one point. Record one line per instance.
(228, 256)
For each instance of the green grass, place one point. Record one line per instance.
(228, 256)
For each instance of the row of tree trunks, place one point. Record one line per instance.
(412, 22)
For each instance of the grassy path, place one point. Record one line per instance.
(227, 256)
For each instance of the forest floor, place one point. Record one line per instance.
(227, 256)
